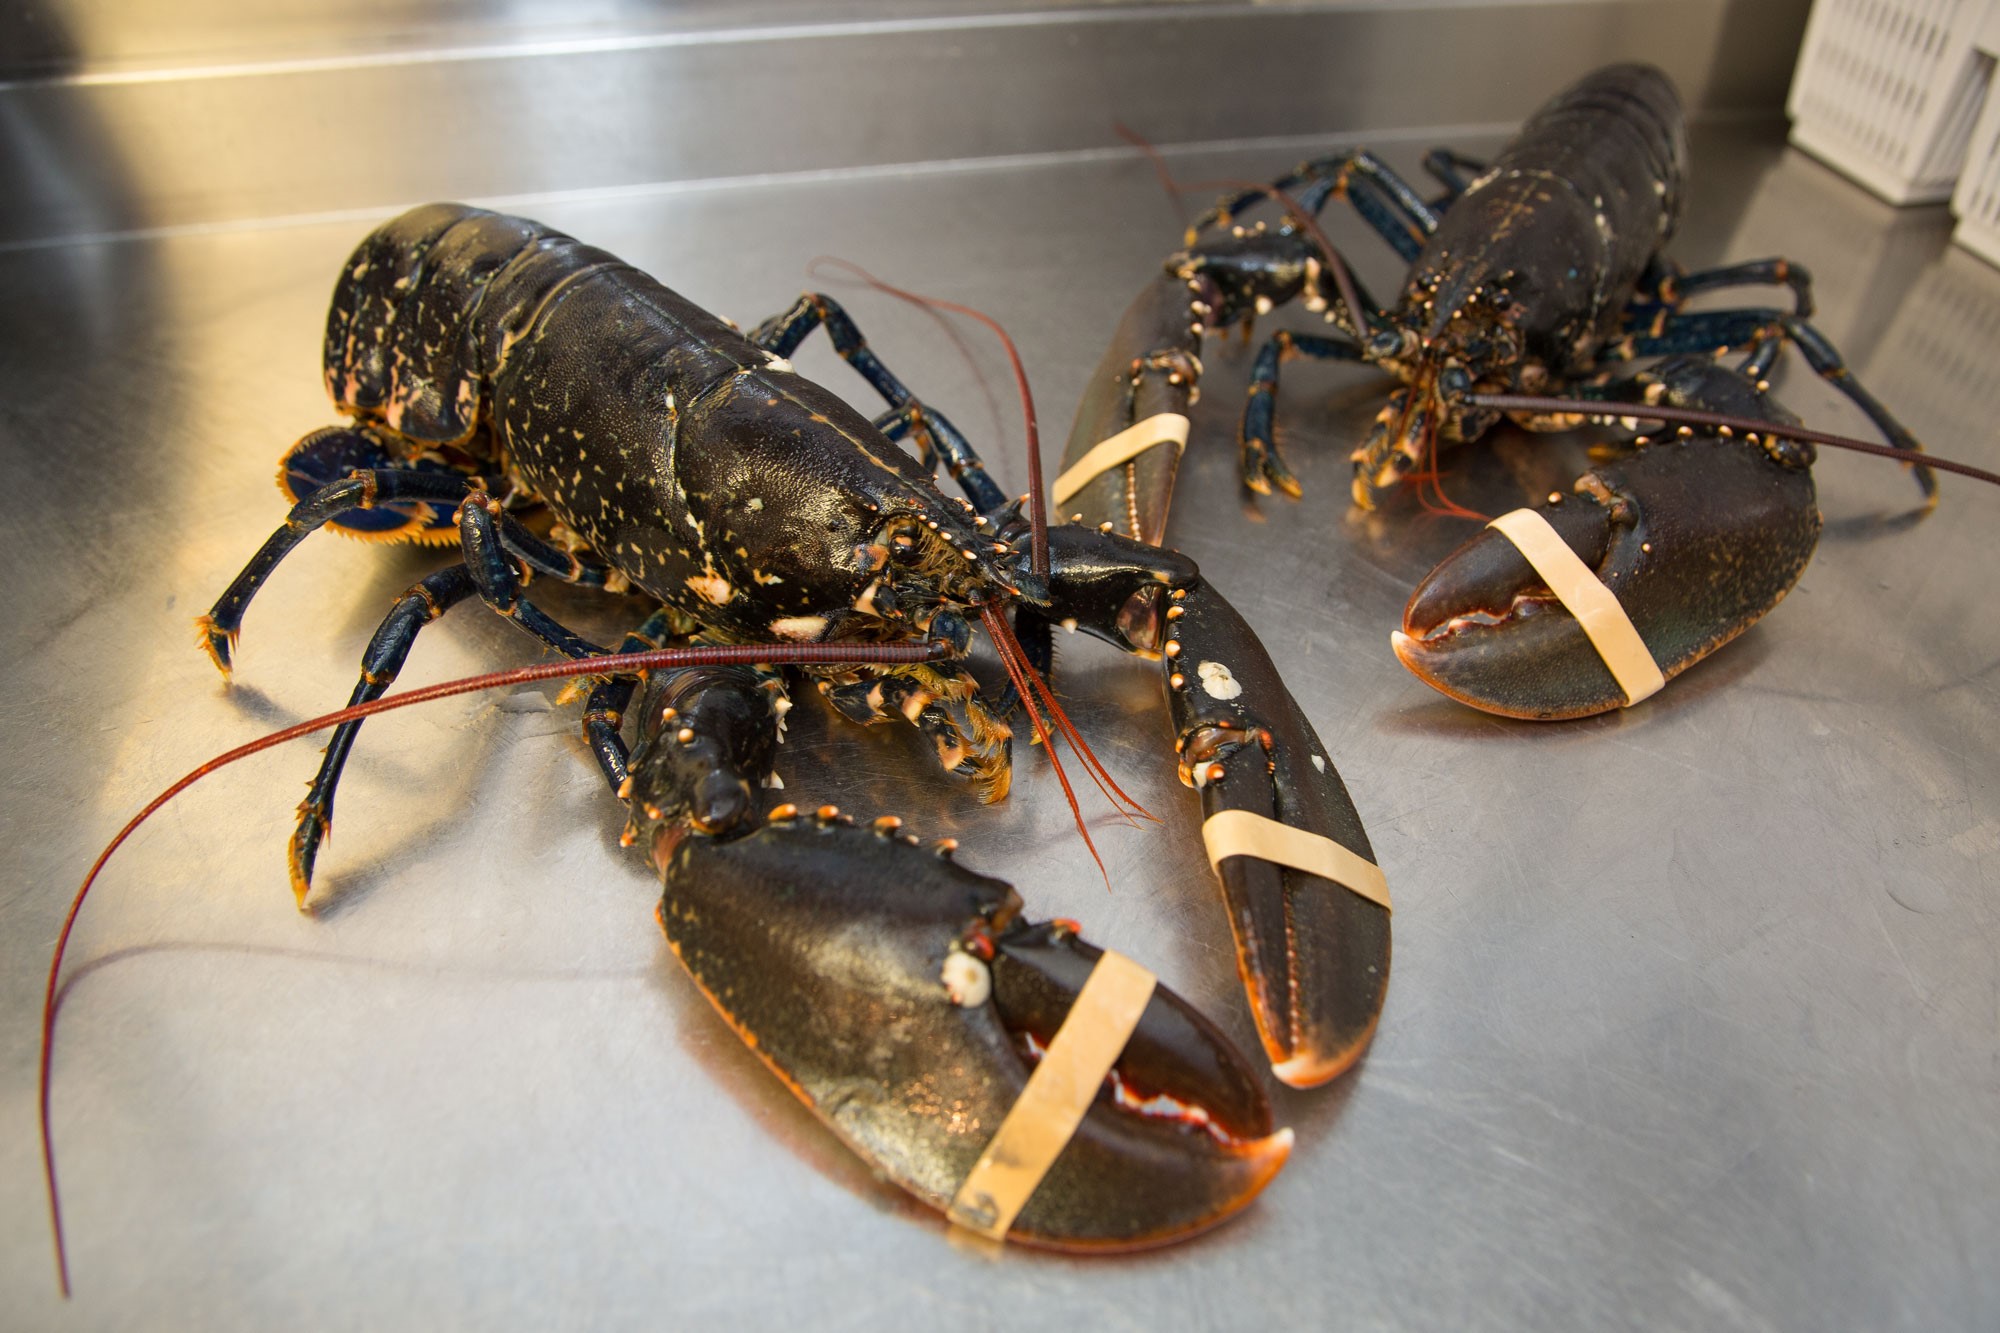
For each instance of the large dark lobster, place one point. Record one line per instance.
(900, 995)
(1539, 273)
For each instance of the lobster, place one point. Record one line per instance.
(1542, 270)
(557, 413)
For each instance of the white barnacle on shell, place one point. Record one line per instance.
(1218, 680)
(801, 629)
(966, 980)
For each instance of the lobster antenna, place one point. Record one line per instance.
(1173, 188)
(787, 654)
(1021, 672)
(1016, 673)
(1433, 474)
(1038, 519)
(1602, 411)
(1007, 643)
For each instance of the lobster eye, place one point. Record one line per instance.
(1388, 343)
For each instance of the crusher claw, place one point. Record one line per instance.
(1690, 541)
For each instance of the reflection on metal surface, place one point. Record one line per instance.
(323, 134)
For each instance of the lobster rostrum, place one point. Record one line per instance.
(902, 997)
(1539, 273)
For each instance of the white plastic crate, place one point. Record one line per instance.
(1976, 201)
(1886, 91)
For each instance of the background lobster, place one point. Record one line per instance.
(1544, 272)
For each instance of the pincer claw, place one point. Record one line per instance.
(899, 997)
(1308, 907)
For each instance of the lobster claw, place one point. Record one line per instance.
(1312, 932)
(1124, 448)
(856, 966)
(1307, 906)
(1696, 536)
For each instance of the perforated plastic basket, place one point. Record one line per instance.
(1977, 198)
(1886, 92)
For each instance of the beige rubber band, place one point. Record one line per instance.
(1127, 444)
(1057, 1095)
(1241, 833)
(1595, 606)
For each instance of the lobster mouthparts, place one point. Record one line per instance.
(896, 994)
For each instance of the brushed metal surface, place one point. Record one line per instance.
(1693, 1017)
(237, 139)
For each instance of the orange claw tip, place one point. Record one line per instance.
(1309, 1069)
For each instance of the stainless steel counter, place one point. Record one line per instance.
(1695, 1019)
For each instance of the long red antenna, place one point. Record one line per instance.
(1604, 410)
(787, 654)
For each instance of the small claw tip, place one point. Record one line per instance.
(1308, 1071)
(1406, 650)
(1271, 1153)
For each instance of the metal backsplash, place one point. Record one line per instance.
(119, 121)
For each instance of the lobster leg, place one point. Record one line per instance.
(604, 711)
(487, 556)
(1695, 536)
(1150, 373)
(336, 452)
(1263, 466)
(382, 661)
(1453, 170)
(488, 570)
(901, 999)
(782, 334)
(361, 490)
(1772, 272)
(1709, 329)
(1311, 931)
(1385, 201)
(1135, 403)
